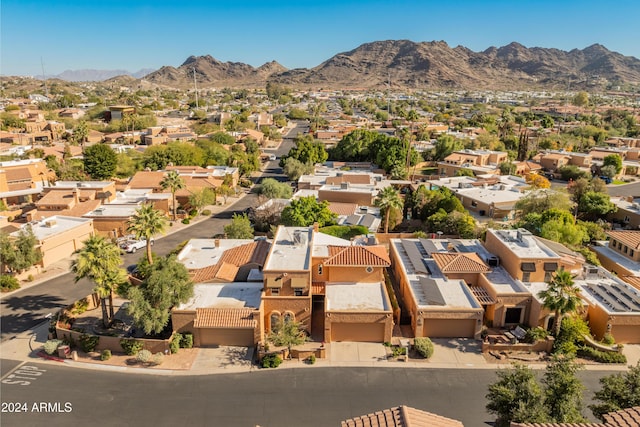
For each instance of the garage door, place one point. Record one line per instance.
(217, 336)
(57, 253)
(626, 334)
(361, 332)
(449, 328)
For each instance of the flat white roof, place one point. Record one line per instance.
(227, 295)
(291, 249)
(121, 211)
(54, 225)
(503, 283)
(322, 241)
(200, 253)
(82, 184)
(356, 297)
(498, 193)
(523, 244)
(618, 258)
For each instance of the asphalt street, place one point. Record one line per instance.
(286, 397)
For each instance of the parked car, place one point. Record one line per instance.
(131, 246)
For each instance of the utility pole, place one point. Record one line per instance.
(195, 86)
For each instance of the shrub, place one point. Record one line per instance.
(30, 278)
(131, 347)
(423, 346)
(186, 221)
(193, 212)
(106, 354)
(144, 356)
(271, 361)
(311, 359)
(601, 356)
(608, 339)
(535, 334)
(80, 306)
(572, 332)
(157, 359)
(51, 346)
(9, 283)
(205, 212)
(174, 346)
(88, 343)
(187, 340)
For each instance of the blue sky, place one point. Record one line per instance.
(137, 34)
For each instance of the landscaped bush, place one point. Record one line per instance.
(144, 356)
(311, 359)
(9, 283)
(423, 346)
(186, 221)
(535, 334)
(601, 356)
(88, 343)
(131, 347)
(106, 354)
(157, 359)
(205, 212)
(572, 332)
(271, 361)
(187, 340)
(80, 306)
(608, 339)
(193, 212)
(399, 351)
(51, 346)
(174, 346)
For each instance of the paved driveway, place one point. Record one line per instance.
(223, 358)
(357, 352)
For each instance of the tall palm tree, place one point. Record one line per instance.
(100, 261)
(561, 296)
(174, 182)
(146, 223)
(388, 198)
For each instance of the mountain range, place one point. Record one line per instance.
(408, 64)
(88, 75)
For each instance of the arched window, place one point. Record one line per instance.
(274, 320)
(289, 317)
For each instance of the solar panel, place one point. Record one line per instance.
(414, 255)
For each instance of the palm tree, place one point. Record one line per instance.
(174, 182)
(561, 296)
(146, 223)
(388, 198)
(100, 261)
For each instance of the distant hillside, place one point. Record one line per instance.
(409, 64)
(98, 75)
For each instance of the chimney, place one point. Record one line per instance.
(216, 243)
(76, 196)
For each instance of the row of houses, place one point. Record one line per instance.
(336, 288)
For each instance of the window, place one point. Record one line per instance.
(528, 266)
(369, 269)
(631, 252)
(298, 292)
(548, 275)
(625, 249)
(289, 317)
(526, 276)
(319, 269)
(513, 315)
(275, 291)
(474, 204)
(274, 319)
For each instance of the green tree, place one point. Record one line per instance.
(581, 99)
(613, 160)
(202, 197)
(388, 199)
(516, 397)
(99, 260)
(563, 390)
(174, 182)
(306, 150)
(465, 172)
(593, 205)
(454, 223)
(223, 138)
(542, 200)
(146, 223)
(20, 253)
(80, 133)
(305, 211)
(272, 189)
(507, 168)
(100, 161)
(239, 228)
(571, 172)
(294, 168)
(619, 391)
(167, 284)
(287, 333)
(561, 296)
(445, 145)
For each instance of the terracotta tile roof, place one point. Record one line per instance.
(146, 179)
(402, 416)
(630, 238)
(225, 318)
(231, 260)
(375, 256)
(624, 418)
(459, 262)
(343, 208)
